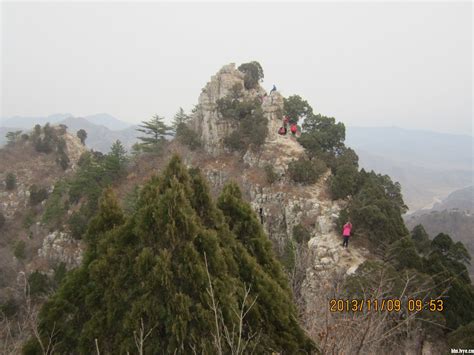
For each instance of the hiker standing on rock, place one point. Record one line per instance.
(274, 88)
(346, 233)
(293, 129)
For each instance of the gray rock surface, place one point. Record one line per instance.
(61, 247)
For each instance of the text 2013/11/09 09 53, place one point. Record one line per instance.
(385, 305)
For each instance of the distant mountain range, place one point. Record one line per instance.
(29, 122)
(418, 147)
(428, 165)
(100, 119)
(454, 215)
(102, 129)
(100, 137)
(462, 199)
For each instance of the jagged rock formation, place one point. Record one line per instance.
(32, 168)
(207, 122)
(284, 204)
(278, 151)
(212, 128)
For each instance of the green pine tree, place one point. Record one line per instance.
(82, 135)
(249, 231)
(155, 131)
(12, 137)
(178, 268)
(116, 160)
(421, 239)
(180, 118)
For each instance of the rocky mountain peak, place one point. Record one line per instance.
(282, 205)
(212, 128)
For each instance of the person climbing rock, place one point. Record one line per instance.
(346, 233)
(282, 130)
(293, 128)
(273, 89)
(260, 212)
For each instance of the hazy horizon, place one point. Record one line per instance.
(469, 134)
(366, 64)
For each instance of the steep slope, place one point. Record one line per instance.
(282, 205)
(26, 244)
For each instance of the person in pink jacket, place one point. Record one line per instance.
(346, 233)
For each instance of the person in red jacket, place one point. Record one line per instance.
(293, 128)
(346, 233)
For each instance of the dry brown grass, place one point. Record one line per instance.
(30, 168)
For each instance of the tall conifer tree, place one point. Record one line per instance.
(177, 269)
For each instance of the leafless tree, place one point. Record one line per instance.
(15, 332)
(297, 274)
(141, 336)
(232, 336)
(366, 332)
(215, 309)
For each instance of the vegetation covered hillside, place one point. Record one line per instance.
(236, 245)
(214, 266)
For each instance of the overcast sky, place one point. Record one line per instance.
(367, 64)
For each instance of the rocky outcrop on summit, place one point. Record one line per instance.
(277, 151)
(210, 127)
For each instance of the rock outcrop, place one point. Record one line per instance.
(283, 204)
(60, 247)
(33, 168)
(207, 122)
(277, 151)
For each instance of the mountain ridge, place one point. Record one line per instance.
(302, 218)
(100, 119)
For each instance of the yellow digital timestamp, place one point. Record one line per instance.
(385, 305)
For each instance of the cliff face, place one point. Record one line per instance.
(206, 121)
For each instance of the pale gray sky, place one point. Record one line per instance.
(402, 64)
